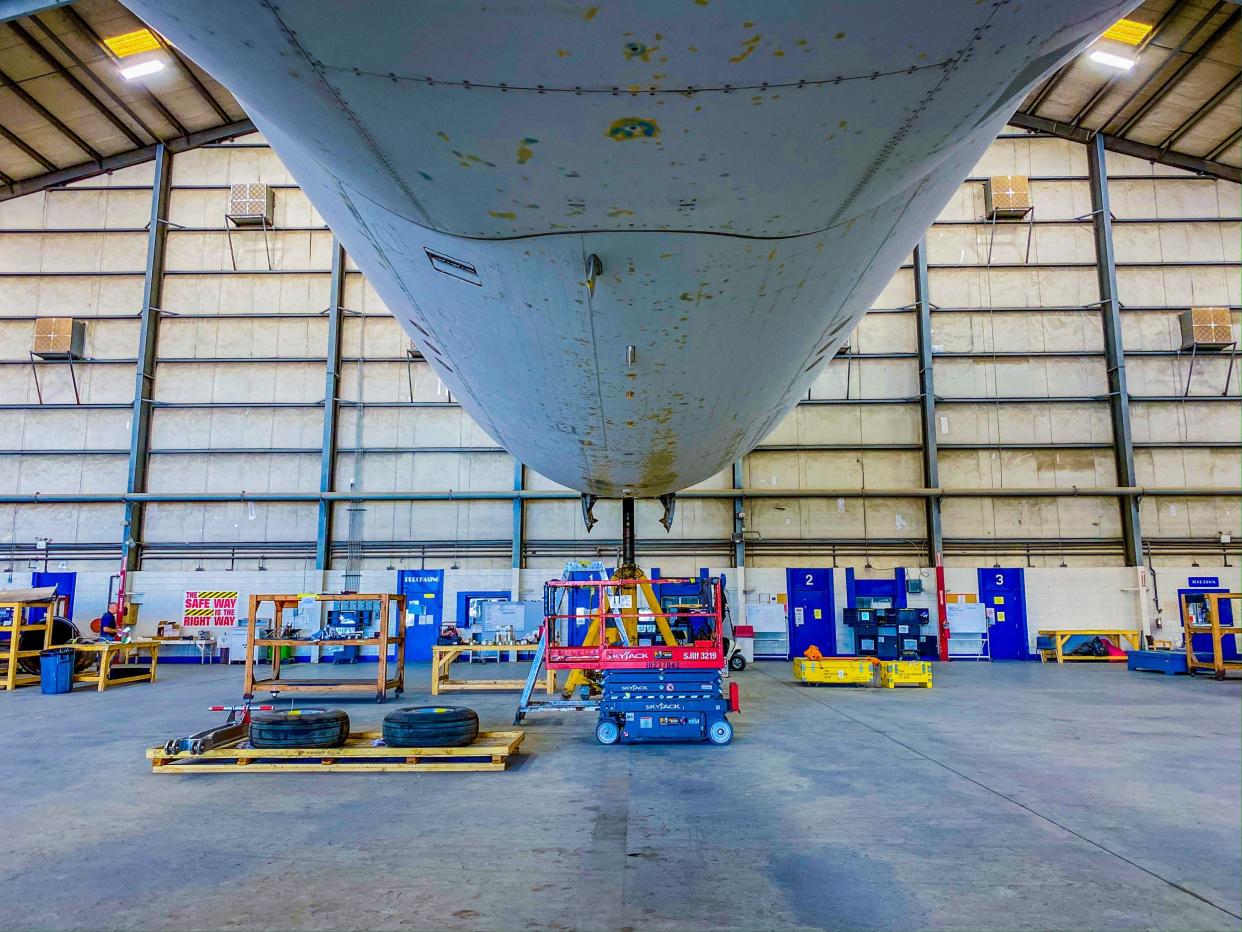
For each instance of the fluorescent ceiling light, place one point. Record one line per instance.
(1113, 61)
(142, 69)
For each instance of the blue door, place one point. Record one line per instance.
(424, 598)
(811, 618)
(1004, 594)
(582, 604)
(65, 584)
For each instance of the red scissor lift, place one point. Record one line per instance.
(640, 659)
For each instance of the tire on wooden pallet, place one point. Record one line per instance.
(301, 728)
(432, 726)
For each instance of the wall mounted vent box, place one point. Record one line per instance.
(1007, 196)
(251, 203)
(1206, 328)
(59, 338)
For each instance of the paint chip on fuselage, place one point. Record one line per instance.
(633, 128)
(748, 46)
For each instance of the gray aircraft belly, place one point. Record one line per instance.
(748, 175)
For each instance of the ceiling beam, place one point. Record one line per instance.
(1193, 120)
(50, 60)
(1139, 150)
(184, 67)
(123, 159)
(87, 30)
(1057, 77)
(1168, 59)
(16, 9)
(31, 152)
(1164, 24)
(1231, 141)
(24, 96)
(1200, 53)
(95, 79)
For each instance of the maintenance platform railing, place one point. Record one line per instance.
(622, 635)
(625, 636)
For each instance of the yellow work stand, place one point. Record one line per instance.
(107, 652)
(1213, 629)
(1061, 636)
(12, 676)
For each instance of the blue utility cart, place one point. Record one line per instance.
(1168, 662)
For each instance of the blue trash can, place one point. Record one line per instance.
(56, 670)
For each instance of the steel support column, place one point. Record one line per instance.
(739, 521)
(739, 547)
(927, 405)
(144, 378)
(331, 392)
(1114, 351)
(519, 524)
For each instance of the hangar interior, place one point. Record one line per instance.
(1027, 413)
(234, 463)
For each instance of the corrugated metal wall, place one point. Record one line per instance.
(1021, 384)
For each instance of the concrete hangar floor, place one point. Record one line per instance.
(1010, 796)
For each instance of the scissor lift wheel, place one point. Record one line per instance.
(720, 732)
(607, 732)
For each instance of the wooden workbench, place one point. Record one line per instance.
(107, 652)
(1060, 636)
(18, 602)
(1213, 630)
(443, 655)
(384, 638)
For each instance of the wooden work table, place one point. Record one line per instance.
(107, 652)
(1060, 637)
(15, 606)
(390, 633)
(443, 655)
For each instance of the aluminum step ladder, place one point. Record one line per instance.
(526, 702)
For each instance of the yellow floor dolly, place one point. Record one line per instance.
(836, 671)
(895, 673)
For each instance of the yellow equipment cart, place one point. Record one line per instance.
(15, 607)
(1212, 628)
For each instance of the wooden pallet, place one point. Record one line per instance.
(490, 751)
